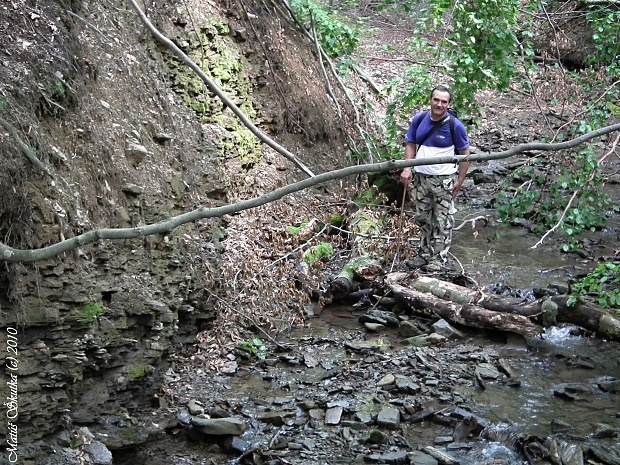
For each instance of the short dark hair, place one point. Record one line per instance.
(442, 89)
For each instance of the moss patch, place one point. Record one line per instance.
(221, 60)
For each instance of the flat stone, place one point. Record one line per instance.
(308, 444)
(378, 437)
(380, 317)
(276, 418)
(308, 404)
(604, 431)
(333, 415)
(386, 380)
(420, 458)
(612, 387)
(423, 415)
(389, 317)
(440, 456)
(559, 426)
(364, 417)
(442, 440)
(366, 345)
(389, 417)
(354, 425)
(444, 328)
(132, 189)
(487, 371)
(316, 413)
(394, 458)
(424, 340)
(408, 329)
(218, 412)
(406, 385)
(233, 445)
(98, 453)
(136, 153)
(374, 327)
(571, 454)
(219, 426)
(339, 403)
(194, 407)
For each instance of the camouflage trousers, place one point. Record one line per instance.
(434, 214)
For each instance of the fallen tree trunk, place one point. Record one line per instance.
(468, 314)
(343, 283)
(429, 296)
(364, 261)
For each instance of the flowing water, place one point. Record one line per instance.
(502, 259)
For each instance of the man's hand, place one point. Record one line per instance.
(406, 176)
(457, 188)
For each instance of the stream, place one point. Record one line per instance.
(322, 402)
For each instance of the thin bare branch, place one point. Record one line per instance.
(574, 196)
(16, 255)
(26, 150)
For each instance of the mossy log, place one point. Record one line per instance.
(366, 252)
(432, 297)
(364, 266)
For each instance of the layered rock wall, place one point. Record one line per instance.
(101, 104)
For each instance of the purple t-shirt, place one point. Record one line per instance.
(439, 144)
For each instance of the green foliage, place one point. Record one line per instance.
(370, 197)
(57, 90)
(336, 38)
(91, 312)
(604, 21)
(254, 347)
(408, 95)
(336, 220)
(541, 202)
(138, 372)
(318, 252)
(603, 283)
(296, 230)
(479, 52)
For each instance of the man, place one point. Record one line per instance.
(435, 186)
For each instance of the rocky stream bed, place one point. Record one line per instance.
(370, 382)
(365, 385)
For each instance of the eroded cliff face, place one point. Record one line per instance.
(129, 137)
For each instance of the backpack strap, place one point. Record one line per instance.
(452, 132)
(415, 130)
(449, 119)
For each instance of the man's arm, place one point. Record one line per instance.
(463, 168)
(407, 175)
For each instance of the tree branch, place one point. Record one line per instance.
(26, 150)
(218, 92)
(10, 254)
(574, 196)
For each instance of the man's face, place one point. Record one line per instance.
(440, 102)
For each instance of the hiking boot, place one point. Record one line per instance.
(416, 262)
(433, 266)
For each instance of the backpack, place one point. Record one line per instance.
(452, 114)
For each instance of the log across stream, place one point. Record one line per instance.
(429, 296)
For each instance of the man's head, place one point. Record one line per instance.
(440, 102)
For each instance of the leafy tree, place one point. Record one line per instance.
(335, 36)
(479, 52)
